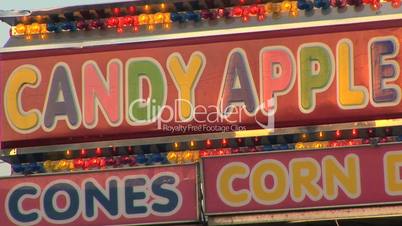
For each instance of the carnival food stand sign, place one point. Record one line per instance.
(303, 179)
(150, 195)
(300, 80)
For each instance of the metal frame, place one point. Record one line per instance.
(309, 216)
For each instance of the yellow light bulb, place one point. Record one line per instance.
(268, 7)
(285, 6)
(167, 20)
(43, 28)
(143, 19)
(321, 134)
(163, 6)
(188, 156)
(47, 165)
(196, 156)
(180, 158)
(176, 145)
(20, 29)
(35, 28)
(62, 164)
(151, 19)
(158, 18)
(172, 156)
(71, 165)
(192, 144)
(38, 18)
(147, 8)
(299, 146)
(276, 9)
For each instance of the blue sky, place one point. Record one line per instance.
(38, 4)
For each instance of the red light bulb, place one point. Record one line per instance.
(69, 153)
(203, 153)
(396, 3)
(371, 132)
(98, 152)
(78, 163)
(338, 134)
(128, 20)
(86, 165)
(116, 11)
(81, 25)
(93, 162)
(257, 140)
(125, 159)
(132, 161)
(130, 150)
(114, 151)
(220, 12)
(354, 132)
(132, 10)
(388, 131)
(237, 11)
(83, 153)
(240, 141)
(235, 150)
(254, 10)
(102, 163)
(112, 22)
(208, 143)
(242, 2)
(224, 142)
(376, 5)
(117, 162)
(110, 161)
(221, 152)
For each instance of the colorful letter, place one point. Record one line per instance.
(136, 196)
(392, 175)
(14, 208)
(61, 100)
(384, 70)
(238, 87)
(316, 70)
(226, 176)
(280, 187)
(167, 197)
(186, 78)
(349, 95)
(70, 211)
(106, 199)
(278, 74)
(304, 176)
(144, 107)
(21, 121)
(335, 176)
(106, 94)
